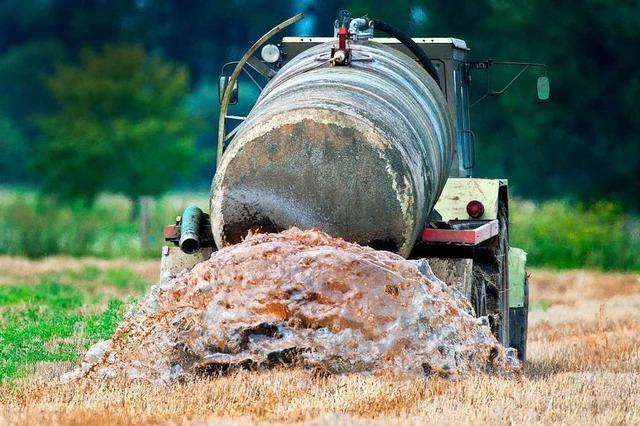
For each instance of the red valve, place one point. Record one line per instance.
(343, 34)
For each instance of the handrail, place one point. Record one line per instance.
(224, 106)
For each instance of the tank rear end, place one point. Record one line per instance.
(360, 151)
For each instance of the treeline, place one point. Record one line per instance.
(116, 96)
(555, 234)
(120, 95)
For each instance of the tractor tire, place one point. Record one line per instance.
(490, 276)
(518, 321)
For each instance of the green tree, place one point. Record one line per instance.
(120, 126)
(23, 73)
(13, 152)
(23, 94)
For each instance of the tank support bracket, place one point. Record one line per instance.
(464, 233)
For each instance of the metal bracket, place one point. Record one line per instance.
(469, 233)
(247, 73)
(486, 64)
(261, 67)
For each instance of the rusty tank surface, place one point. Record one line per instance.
(362, 151)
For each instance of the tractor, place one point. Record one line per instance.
(368, 139)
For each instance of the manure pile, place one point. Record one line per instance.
(304, 298)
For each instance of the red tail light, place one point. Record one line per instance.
(475, 209)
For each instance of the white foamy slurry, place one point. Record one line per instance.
(302, 298)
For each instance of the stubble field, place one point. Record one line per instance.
(584, 361)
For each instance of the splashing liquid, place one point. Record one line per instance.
(303, 298)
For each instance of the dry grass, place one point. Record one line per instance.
(584, 368)
(14, 268)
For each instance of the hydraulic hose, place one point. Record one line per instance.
(411, 45)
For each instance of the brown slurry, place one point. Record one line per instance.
(300, 297)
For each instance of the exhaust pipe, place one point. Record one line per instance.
(190, 229)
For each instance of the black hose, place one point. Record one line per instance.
(411, 45)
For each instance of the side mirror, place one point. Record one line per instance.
(542, 87)
(222, 86)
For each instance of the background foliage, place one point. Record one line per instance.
(581, 144)
(120, 96)
(556, 234)
(118, 124)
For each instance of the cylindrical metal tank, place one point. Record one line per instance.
(361, 152)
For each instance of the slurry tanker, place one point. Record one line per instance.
(369, 139)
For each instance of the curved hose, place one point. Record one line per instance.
(411, 45)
